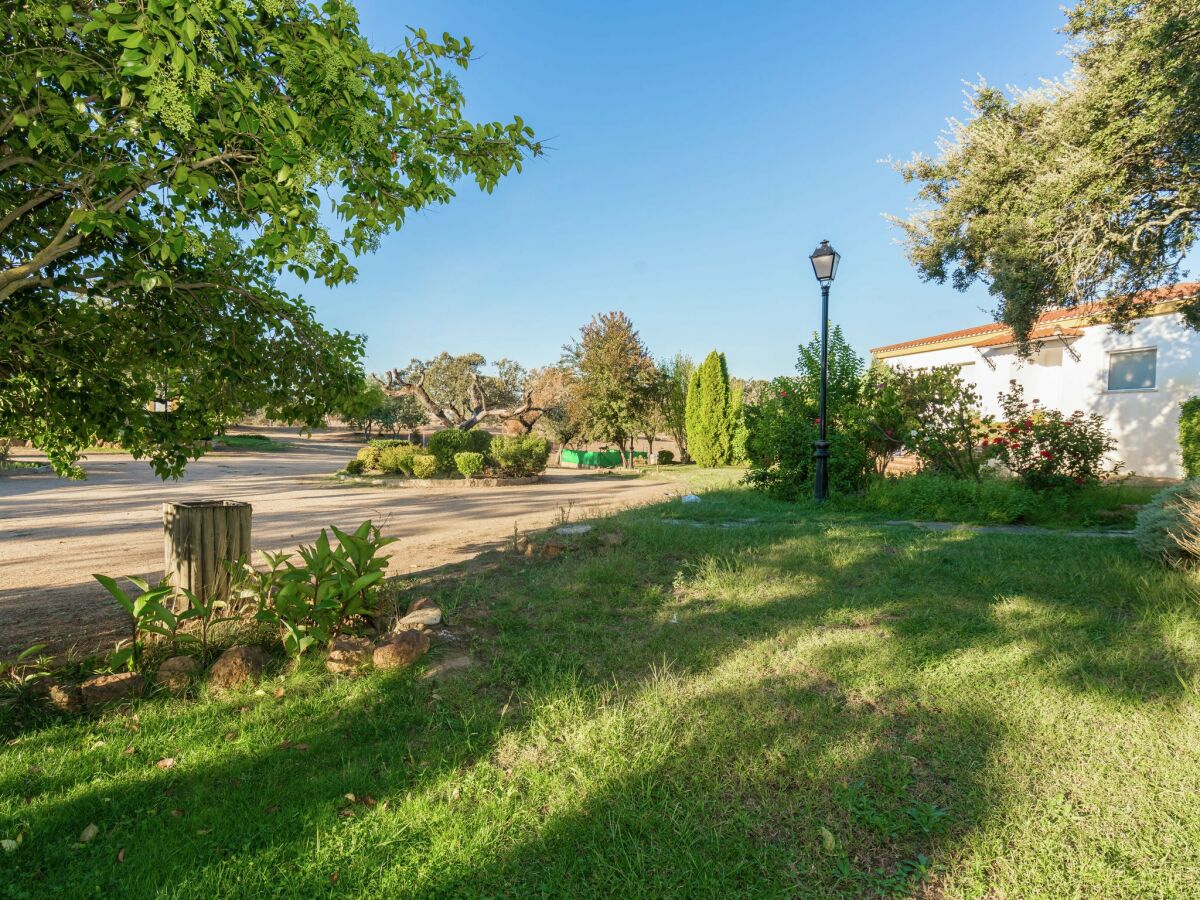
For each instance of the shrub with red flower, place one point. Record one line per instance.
(1048, 450)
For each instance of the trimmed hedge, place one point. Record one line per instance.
(370, 454)
(443, 445)
(1189, 436)
(665, 457)
(424, 465)
(398, 459)
(519, 456)
(469, 464)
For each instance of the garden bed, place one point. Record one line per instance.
(401, 481)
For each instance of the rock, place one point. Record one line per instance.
(449, 665)
(690, 498)
(419, 620)
(236, 666)
(176, 674)
(104, 689)
(573, 529)
(63, 697)
(421, 603)
(401, 650)
(348, 654)
(552, 549)
(613, 538)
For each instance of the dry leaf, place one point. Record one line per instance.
(299, 746)
(177, 813)
(333, 878)
(369, 801)
(827, 840)
(351, 797)
(279, 692)
(272, 809)
(88, 833)
(167, 762)
(232, 736)
(130, 750)
(121, 855)
(8, 845)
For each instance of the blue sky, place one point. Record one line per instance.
(700, 152)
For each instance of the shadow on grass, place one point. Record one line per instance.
(775, 708)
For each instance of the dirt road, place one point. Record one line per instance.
(54, 533)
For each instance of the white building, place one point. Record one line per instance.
(1135, 380)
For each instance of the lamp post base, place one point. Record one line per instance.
(821, 470)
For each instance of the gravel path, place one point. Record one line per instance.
(54, 533)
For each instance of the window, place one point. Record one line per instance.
(1133, 370)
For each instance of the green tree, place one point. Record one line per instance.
(614, 380)
(160, 163)
(454, 391)
(711, 413)
(672, 399)
(1084, 188)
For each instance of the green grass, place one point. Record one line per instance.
(258, 442)
(743, 699)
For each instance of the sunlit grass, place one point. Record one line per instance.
(739, 699)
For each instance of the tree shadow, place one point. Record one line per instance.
(781, 709)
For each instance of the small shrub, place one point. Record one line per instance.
(424, 465)
(469, 464)
(1189, 436)
(1163, 524)
(665, 457)
(355, 466)
(397, 460)
(445, 444)
(368, 456)
(515, 457)
(1046, 449)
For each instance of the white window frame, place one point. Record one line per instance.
(1136, 390)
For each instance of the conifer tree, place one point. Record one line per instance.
(710, 413)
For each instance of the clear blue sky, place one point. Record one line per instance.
(700, 152)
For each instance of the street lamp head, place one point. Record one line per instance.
(825, 262)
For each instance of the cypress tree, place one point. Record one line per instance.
(710, 413)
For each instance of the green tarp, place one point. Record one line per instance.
(597, 459)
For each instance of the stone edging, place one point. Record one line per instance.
(390, 481)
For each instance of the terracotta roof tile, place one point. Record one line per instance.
(1158, 295)
(1037, 334)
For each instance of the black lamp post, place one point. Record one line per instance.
(825, 264)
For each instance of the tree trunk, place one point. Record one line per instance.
(199, 538)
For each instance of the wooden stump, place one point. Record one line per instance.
(199, 538)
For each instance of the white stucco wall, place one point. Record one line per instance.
(1145, 423)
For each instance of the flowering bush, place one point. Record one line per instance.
(933, 413)
(1046, 449)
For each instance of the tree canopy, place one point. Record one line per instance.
(1082, 189)
(161, 163)
(455, 392)
(614, 379)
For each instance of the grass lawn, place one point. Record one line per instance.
(258, 442)
(743, 698)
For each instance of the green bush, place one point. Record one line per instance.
(946, 498)
(519, 456)
(1162, 522)
(397, 460)
(445, 444)
(1047, 450)
(469, 464)
(665, 457)
(370, 454)
(355, 466)
(1189, 436)
(424, 465)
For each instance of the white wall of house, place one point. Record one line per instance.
(1145, 421)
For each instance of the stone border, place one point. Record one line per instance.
(392, 481)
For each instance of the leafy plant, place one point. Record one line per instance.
(355, 467)
(147, 615)
(1189, 436)
(935, 414)
(397, 459)
(665, 457)
(519, 456)
(424, 465)
(469, 464)
(205, 612)
(1046, 449)
(331, 590)
(18, 677)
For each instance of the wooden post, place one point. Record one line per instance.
(199, 537)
